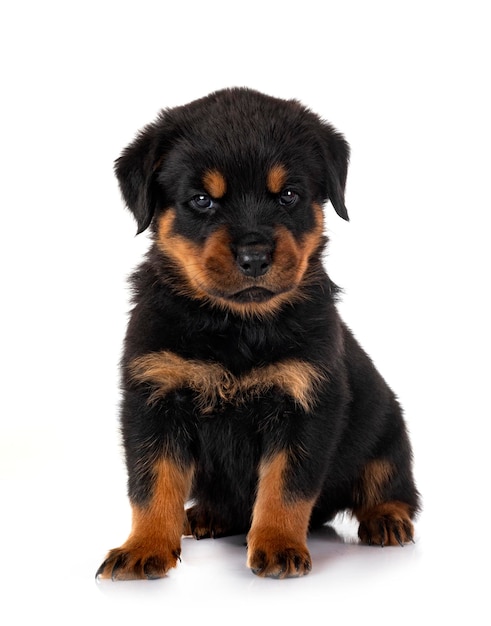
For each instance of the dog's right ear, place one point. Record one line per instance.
(136, 171)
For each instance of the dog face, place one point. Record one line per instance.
(233, 186)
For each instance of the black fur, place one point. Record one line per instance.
(353, 420)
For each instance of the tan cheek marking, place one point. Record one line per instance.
(276, 178)
(185, 254)
(166, 372)
(311, 241)
(214, 183)
(178, 248)
(288, 255)
(204, 267)
(292, 257)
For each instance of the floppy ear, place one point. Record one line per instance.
(336, 154)
(135, 170)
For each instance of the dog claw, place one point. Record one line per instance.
(398, 537)
(100, 570)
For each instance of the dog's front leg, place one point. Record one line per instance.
(277, 540)
(154, 544)
(160, 472)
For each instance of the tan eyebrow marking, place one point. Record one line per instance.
(214, 183)
(276, 178)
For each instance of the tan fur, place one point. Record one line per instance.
(373, 480)
(279, 525)
(210, 272)
(386, 524)
(155, 538)
(276, 178)
(215, 184)
(182, 251)
(167, 371)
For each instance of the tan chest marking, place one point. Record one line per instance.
(167, 372)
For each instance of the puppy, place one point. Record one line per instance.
(244, 392)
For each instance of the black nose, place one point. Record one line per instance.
(254, 260)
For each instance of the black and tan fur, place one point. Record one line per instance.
(244, 392)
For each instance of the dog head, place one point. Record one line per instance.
(233, 186)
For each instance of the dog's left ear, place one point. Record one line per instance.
(136, 170)
(336, 158)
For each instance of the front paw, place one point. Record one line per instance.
(279, 558)
(137, 562)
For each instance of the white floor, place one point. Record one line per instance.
(57, 527)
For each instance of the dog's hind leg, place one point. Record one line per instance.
(386, 503)
(386, 524)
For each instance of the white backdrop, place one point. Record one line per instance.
(408, 84)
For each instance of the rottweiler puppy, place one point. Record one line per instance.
(246, 398)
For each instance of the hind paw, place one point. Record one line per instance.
(202, 525)
(386, 524)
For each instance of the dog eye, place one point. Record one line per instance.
(202, 203)
(288, 198)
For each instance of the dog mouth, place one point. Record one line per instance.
(252, 294)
